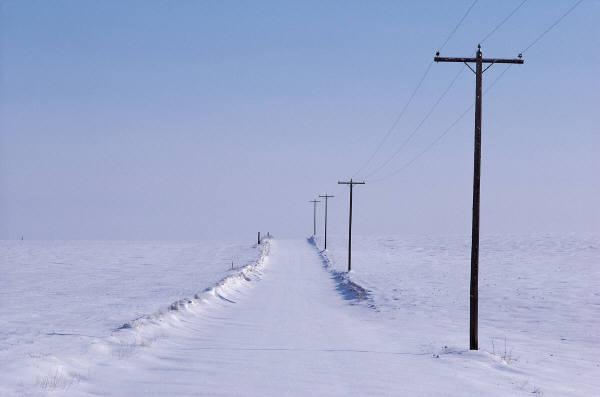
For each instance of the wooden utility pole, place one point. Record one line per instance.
(479, 60)
(326, 197)
(314, 215)
(351, 183)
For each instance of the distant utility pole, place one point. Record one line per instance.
(326, 197)
(314, 215)
(479, 60)
(351, 183)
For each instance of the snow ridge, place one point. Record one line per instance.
(349, 289)
(55, 373)
(220, 290)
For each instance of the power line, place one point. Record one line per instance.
(418, 127)
(499, 25)
(400, 115)
(466, 111)
(414, 93)
(494, 30)
(553, 25)
(431, 145)
(442, 135)
(457, 25)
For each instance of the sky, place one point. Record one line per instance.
(168, 120)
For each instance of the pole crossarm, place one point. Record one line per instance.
(350, 182)
(473, 60)
(479, 59)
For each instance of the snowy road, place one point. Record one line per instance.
(290, 332)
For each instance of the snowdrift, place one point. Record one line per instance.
(220, 290)
(68, 342)
(346, 287)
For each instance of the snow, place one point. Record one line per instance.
(60, 297)
(539, 300)
(293, 322)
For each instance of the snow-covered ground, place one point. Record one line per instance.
(293, 323)
(57, 298)
(539, 300)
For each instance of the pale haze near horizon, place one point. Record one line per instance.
(198, 120)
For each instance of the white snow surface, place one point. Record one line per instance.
(292, 322)
(60, 297)
(539, 301)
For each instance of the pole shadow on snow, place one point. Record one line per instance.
(348, 289)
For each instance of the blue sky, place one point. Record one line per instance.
(215, 119)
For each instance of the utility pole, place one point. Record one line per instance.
(314, 215)
(479, 60)
(326, 197)
(351, 183)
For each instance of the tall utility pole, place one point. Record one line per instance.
(479, 60)
(351, 183)
(326, 197)
(314, 215)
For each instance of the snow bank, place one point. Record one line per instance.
(61, 302)
(220, 290)
(348, 289)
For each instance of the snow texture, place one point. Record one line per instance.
(61, 302)
(293, 322)
(539, 301)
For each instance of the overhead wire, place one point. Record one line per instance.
(487, 36)
(443, 134)
(502, 22)
(396, 121)
(451, 34)
(418, 127)
(552, 26)
(413, 94)
(466, 111)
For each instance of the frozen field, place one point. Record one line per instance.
(539, 300)
(291, 322)
(57, 298)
